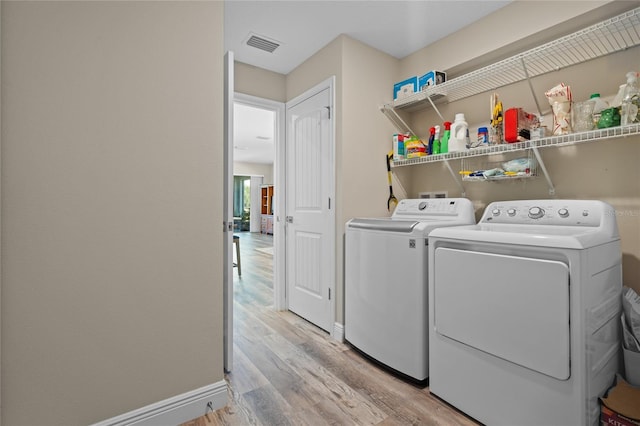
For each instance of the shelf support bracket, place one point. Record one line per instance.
(455, 177)
(552, 189)
(533, 93)
(436, 109)
(396, 120)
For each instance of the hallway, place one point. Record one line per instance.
(288, 372)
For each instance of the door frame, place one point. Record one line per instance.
(227, 207)
(329, 83)
(279, 259)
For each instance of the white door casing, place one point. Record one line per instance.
(278, 108)
(310, 211)
(227, 254)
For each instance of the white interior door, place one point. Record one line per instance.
(227, 254)
(310, 241)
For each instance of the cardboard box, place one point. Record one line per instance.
(431, 79)
(405, 88)
(398, 146)
(609, 417)
(620, 405)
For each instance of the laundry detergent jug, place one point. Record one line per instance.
(459, 138)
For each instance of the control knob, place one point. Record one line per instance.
(422, 205)
(563, 213)
(536, 212)
(495, 212)
(511, 212)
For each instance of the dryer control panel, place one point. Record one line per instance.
(590, 213)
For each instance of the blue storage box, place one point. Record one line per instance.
(405, 88)
(431, 78)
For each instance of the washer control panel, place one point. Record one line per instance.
(422, 207)
(549, 212)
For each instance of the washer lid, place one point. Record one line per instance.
(419, 216)
(383, 224)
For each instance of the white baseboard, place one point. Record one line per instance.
(176, 410)
(338, 332)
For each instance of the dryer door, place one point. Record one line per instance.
(514, 308)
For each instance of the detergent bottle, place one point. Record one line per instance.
(432, 135)
(459, 138)
(599, 105)
(437, 144)
(444, 143)
(629, 110)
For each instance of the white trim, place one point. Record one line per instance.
(174, 411)
(279, 259)
(227, 206)
(338, 332)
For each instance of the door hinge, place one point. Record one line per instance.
(227, 226)
(329, 294)
(329, 203)
(328, 112)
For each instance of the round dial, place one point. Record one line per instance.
(536, 212)
(422, 205)
(511, 212)
(495, 212)
(563, 213)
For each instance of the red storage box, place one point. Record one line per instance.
(518, 125)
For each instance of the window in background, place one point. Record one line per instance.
(241, 202)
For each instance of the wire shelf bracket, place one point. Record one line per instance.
(552, 189)
(396, 120)
(455, 178)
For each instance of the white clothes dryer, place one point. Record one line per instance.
(524, 312)
(386, 281)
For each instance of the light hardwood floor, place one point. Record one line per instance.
(286, 371)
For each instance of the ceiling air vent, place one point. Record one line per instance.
(262, 43)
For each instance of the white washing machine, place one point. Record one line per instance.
(524, 310)
(386, 281)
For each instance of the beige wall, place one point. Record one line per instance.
(111, 159)
(325, 63)
(254, 169)
(362, 185)
(319, 67)
(364, 81)
(598, 170)
(259, 82)
(362, 84)
(0, 216)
